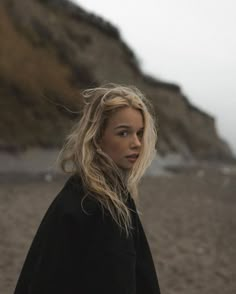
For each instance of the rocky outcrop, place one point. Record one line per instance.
(51, 50)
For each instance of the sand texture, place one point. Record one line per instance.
(189, 216)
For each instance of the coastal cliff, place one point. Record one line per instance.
(51, 50)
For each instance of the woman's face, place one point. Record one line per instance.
(122, 137)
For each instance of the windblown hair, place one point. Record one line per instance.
(81, 153)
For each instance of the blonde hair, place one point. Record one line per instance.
(100, 175)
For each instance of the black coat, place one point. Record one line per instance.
(79, 249)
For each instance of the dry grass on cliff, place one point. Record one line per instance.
(33, 80)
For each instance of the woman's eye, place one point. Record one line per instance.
(123, 133)
(140, 134)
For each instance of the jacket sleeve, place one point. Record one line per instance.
(58, 267)
(79, 253)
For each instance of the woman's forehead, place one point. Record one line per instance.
(128, 116)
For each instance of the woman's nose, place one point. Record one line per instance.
(136, 142)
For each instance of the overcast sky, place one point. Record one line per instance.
(188, 42)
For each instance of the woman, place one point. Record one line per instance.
(91, 239)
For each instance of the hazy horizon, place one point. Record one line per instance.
(190, 43)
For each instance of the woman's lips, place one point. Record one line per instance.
(132, 158)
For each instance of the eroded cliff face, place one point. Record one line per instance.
(51, 50)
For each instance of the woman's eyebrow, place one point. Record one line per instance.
(123, 127)
(127, 127)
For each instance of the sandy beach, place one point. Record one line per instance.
(188, 214)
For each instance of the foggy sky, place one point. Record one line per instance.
(188, 42)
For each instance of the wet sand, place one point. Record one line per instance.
(189, 215)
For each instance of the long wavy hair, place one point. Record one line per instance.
(81, 153)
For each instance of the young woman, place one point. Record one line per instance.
(91, 239)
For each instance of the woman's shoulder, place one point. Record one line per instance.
(74, 200)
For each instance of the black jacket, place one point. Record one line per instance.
(79, 249)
